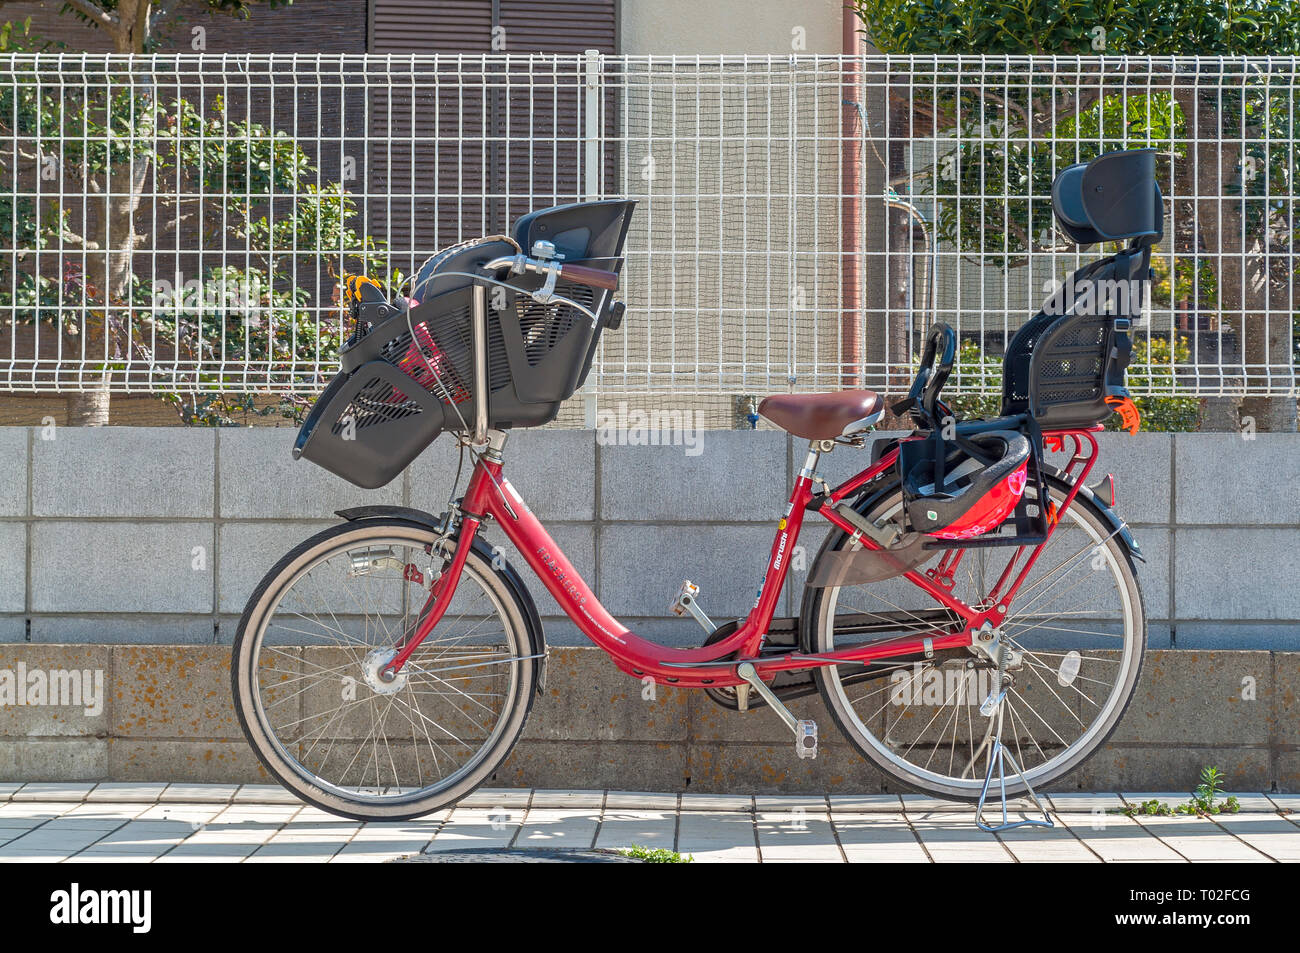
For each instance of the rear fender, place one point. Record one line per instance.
(866, 501)
(1118, 525)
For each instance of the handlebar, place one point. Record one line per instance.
(940, 336)
(580, 274)
(940, 346)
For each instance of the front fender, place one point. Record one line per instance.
(511, 577)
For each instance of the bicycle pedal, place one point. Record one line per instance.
(805, 729)
(805, 738)
(684, 597)
(686, 602)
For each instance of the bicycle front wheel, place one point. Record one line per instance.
(306, 673)
(1075, 634)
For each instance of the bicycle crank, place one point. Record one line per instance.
(805, 729)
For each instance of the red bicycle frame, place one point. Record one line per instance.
(491, 496)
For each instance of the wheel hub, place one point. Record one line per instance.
(382, 682)
(988, 642)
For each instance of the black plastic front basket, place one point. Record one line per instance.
(411, 376)
(368, 425)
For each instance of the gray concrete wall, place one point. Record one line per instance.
(131, 552)
(158, 535)
(168, 717)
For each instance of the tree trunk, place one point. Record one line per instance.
(105, 332)
(107, 339)
(89, 408)
(1239, 260)
(132, 30)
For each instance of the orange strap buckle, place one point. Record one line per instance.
(352, 285)
(1129, 417)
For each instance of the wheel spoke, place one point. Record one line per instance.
(327, 712)
(1066, 604)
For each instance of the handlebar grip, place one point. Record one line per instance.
(595, 277)
(941, 336)
(941, 343)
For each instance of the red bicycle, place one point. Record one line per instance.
(973, 603)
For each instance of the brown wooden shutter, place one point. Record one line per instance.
(465, 26)
(430, 26)
(559, 26)
(464, 187)
(537, 163)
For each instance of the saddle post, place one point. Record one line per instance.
(815, 450)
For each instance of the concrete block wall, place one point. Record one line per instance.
(137, 547)
(158, 535)
(167, 716)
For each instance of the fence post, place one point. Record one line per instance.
(590, 182)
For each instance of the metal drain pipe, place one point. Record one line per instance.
(852, 264)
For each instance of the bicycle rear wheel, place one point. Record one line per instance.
(1077, 630)
(305, 674)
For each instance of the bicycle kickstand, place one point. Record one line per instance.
(998, 757)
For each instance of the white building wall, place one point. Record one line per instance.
(689, 27)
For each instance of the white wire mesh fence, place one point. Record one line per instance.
(179, 224)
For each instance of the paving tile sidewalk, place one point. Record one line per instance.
(196, 823)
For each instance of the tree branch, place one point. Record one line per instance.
(173, 224)
(72, 238)
(94, 13)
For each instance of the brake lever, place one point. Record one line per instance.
(546, 292)
(519, 264)
(595, 320)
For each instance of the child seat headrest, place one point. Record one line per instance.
(1112, 198)
(579, 231)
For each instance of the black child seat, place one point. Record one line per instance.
(410, 376)
(1064, 363)
(1064, 369)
